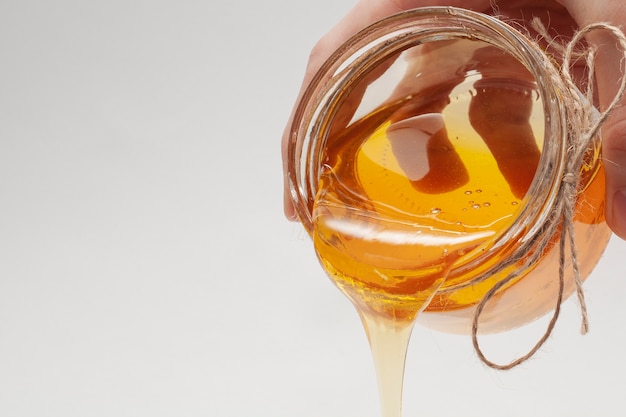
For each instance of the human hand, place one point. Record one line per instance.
(561, 18)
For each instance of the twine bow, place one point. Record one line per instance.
(585, 123)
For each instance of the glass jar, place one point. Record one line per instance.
(435, 143)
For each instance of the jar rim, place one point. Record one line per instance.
(392, 34)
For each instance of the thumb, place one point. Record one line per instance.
(614, 156)
(609, 74)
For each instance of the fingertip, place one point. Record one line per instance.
(616, 217)
(288, 208)
(614, 158)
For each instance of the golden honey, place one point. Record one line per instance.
(402, 200)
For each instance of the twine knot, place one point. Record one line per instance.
(570, 178)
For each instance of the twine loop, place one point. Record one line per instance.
(585, 123)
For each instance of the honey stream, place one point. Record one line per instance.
(410, 189)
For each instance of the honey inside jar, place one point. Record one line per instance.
(425, 181)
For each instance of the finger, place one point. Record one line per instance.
(609, 70)
(364, 13)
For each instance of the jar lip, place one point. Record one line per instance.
(429, 24)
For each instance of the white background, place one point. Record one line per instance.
(145, 265)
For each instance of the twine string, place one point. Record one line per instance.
(585, 123)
